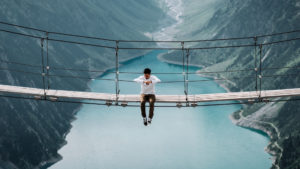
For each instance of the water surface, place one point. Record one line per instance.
(195, 138)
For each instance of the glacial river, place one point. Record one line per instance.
(192, 138)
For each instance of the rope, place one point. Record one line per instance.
(47, 67)
(286, 67)
(57, 33)
(153, 48)
(117, 72)
(122, 72)
(57, 40)
(122, 80)
(276, 34)
(78, 77)
(183, 67)
(18, 63)
(20, 71)
(260, 68)
(20, 26)
(192, 48)
(22, 34)
(163, 106)
(81, 70)
(192, 73)
(173, 41)
(280, 41)
(202, 80)
(255, 62)
(212, 40)
(187, 76)
(185, 63)
(287, 75)
(82, 77)
(43, 66)
(81, 43)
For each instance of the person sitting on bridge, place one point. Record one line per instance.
(147, 82)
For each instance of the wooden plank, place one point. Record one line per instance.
(159, 98)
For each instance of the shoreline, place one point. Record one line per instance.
(53, 160)
(254, 124)
(48, 163)
(195, 65)
(159, 56)
(242, 122)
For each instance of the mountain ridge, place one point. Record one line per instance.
(232, 18)
(31, 132)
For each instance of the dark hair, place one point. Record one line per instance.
(147, 71)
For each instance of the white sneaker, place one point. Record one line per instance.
(149, 121)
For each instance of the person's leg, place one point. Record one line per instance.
(151, 102)
(143, 105)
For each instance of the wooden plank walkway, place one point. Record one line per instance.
(159, 98)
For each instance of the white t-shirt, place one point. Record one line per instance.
(147, 89)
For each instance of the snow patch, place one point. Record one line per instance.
(148, 34)
(175, 11)
(267, 111)
(266, 55)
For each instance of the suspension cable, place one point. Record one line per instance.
(187, 77)
(117, 48)
(166, 41)
(151, 48)
(47, 67)
(122, 80)
(165, 106)
(255, 62)
(117, 72)
(57, 33)
(18, 63)
(79, 77)
(260, 69)
(183, 67)
(20, 71)
(125, 72)
(43, 66)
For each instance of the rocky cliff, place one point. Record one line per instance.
(233, 18)
(32, 131)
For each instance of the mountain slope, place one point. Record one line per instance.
(233, 18)
(31, 132)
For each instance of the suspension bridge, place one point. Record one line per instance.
(193, 100)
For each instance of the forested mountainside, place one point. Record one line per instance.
(31, 131)
(233, 18)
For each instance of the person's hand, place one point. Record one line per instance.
(148, 82)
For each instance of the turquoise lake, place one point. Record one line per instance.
(187, 138)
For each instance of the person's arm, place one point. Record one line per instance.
(139, 80)
(155, 80)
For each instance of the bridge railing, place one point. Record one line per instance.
(257, 44)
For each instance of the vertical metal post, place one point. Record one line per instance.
(117, 73)
(183, 66)
(255, 62)
(260, 68)
(43, 66)
(187, 76)
(47, 67)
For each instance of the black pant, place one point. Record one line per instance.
(151, 99)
